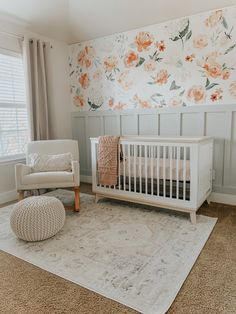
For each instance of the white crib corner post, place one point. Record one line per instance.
(194, 152)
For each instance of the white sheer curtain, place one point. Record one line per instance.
(36, 55)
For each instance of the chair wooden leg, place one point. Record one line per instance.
(77, 198)
(20, 195)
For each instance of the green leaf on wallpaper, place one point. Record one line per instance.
(155, 53)
(77, 91)
(174, 86)
(224, 23)
(188, 35)
(175, 38)
(181, 93)
(179, 63)
(211, 86)
(93, 106)
(207, 82)
(132, 45)
(157, 95)
(151, 83)
(184, 31)
(224, 66)
(230, 49)
(158, 59)
(71, 73)
(140, 62)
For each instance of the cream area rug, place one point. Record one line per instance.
(136, 255)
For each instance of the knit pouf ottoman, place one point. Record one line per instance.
(37, 218)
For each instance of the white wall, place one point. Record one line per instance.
(60, 119)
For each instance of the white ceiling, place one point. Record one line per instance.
(79, 20)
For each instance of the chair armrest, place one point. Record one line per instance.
(20, 171)
(76, 172)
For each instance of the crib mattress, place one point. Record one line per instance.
(154, 168)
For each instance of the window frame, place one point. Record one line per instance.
(21, 157)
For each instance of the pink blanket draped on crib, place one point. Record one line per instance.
(108, 159)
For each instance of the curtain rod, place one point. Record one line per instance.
(20, 36)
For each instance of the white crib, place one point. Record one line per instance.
(167, 172)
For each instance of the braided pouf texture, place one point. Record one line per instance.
(37, 218)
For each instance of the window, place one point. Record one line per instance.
(14, 127)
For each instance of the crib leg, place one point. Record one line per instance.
(208, 201)
(193, 217)
(97, 198)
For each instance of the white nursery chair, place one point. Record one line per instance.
(26, 179)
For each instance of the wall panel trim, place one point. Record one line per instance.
(141, 122)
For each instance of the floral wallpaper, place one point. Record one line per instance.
(190, 61)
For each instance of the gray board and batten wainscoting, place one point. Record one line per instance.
(218, 121)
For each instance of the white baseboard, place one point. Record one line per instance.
(86, 179)
(229, 199)
(8, 196)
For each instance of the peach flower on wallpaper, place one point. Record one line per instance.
(217, 95)
(175, 102)
(190, 58)
(143, 41)
(97, 75)
(78, 101)
(84, 80)
(116, 106)
(125, 81)
(197, 94)
(150, 66)
(214, 19)
(110, 63)
(161, 45)
(85, 57)
(225, 74)
(213, 69)
(201, 41)
(131, 59)
(143, 104)
(232, 89)
(161, 77)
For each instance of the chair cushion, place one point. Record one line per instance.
(44, 162)
(47, 177)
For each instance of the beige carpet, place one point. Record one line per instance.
(208, 289)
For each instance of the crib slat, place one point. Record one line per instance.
(151, 152)
(170, 157)
(184, 175)
(146, 185)
(119, 161)
(134, 165)
(177, 172)
(129, 147)
(164, 171)
(124, 164)
(96, 174)
(158, 170)
(140, 170)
